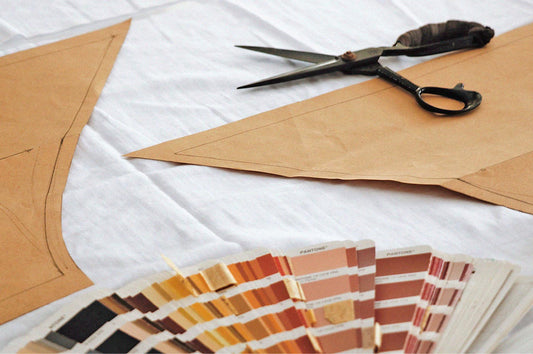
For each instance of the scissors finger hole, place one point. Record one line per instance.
(442, 102)
(447, 101)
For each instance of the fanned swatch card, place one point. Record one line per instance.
(339, 296)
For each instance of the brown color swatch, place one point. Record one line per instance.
(48, 95)
(375, 131)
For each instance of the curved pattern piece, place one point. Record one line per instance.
(48, 95)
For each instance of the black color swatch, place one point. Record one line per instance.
(86, 322)
(118, 342)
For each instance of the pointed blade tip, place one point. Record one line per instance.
(244, 47)
(255, 84)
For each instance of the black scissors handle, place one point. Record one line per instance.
(426, 40)
(469, 99)
(440, 38)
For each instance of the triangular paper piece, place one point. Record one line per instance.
(376, 131)
(48, 95)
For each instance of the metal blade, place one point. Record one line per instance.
(291, 54)
(322, 68)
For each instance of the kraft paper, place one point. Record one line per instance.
(48, 95)
(376, 131)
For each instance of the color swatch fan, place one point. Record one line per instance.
(333, 297)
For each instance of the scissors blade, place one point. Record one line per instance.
(312, 70)
(291, 54)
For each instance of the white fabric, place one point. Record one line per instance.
(176, 75)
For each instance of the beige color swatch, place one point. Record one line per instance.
(48, 95)
(219, 277)
(339, 312)
(375, 131)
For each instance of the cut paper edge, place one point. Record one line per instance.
(285, 141)
(58, 149)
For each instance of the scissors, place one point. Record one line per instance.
(426, 40)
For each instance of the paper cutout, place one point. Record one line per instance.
(48, 95)
(374, 131)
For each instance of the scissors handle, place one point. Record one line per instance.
(469, 99)
(440, 38)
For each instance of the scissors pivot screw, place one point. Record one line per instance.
(348, 56)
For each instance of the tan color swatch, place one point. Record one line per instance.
(294, 289)
(48, 95)
(219, 277)
(339, 312)
(375, 131)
